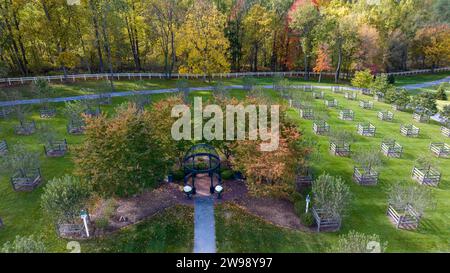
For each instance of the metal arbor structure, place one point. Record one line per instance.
(202, 159)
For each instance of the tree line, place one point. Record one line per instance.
(213, 36)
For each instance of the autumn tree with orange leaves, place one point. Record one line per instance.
(323, 61)
(271, 173)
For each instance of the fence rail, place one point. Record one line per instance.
(119, 76)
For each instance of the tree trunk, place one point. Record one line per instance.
(338, 66)
(305, 60)
(97, 36)
(273, 60)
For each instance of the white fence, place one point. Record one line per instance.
(119, 76)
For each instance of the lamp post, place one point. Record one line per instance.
(84, 216)
(188, 191)
(308, 200)
(219, 189)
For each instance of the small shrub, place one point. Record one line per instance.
(307, 219)
(227, 174)
(391, 79)
(380, 84)
(64, 198)
(355, 242)
(363, 79)
(331, 194)
(401, 194)
(110, 207)
(425, 101)
(28, 244)
(442, 92)
(102, 223)
(178, 175)
(446, 112)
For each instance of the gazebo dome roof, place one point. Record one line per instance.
(201, 158)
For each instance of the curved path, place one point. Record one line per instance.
(174, 90)
(426, 84)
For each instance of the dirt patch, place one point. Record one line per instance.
(128, 211)
(278, 212)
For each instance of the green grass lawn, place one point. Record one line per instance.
(169, 232)
(407, 80)
(240, 232)
(22, 214)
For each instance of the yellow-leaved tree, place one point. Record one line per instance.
(202, 44)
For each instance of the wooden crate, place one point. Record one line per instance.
(366, 104)
(324, 221)
(367, 92)
(304, 178)
(427, 176)
(76, 127)
(5, 112)
(307, 88)
(440, 149)
(409, 130)
(3, 147)
(56, 148)
(340, 149)
(93, 112)
(336, 89)
(351, 96)
(421, 117)
(47, 113)
(385, 116)
(364, 177)
(331, 103)
(318, 95)
(26, 181)
(307, 113)
(408, 219)
(379, 97)
(70, 231)
(25, 128)
(366, 129)
(391, 148)
(398, 108)
(347, 114)
(445, 131)
(321, 127)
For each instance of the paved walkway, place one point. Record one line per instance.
(204, 225)
(426, 84)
